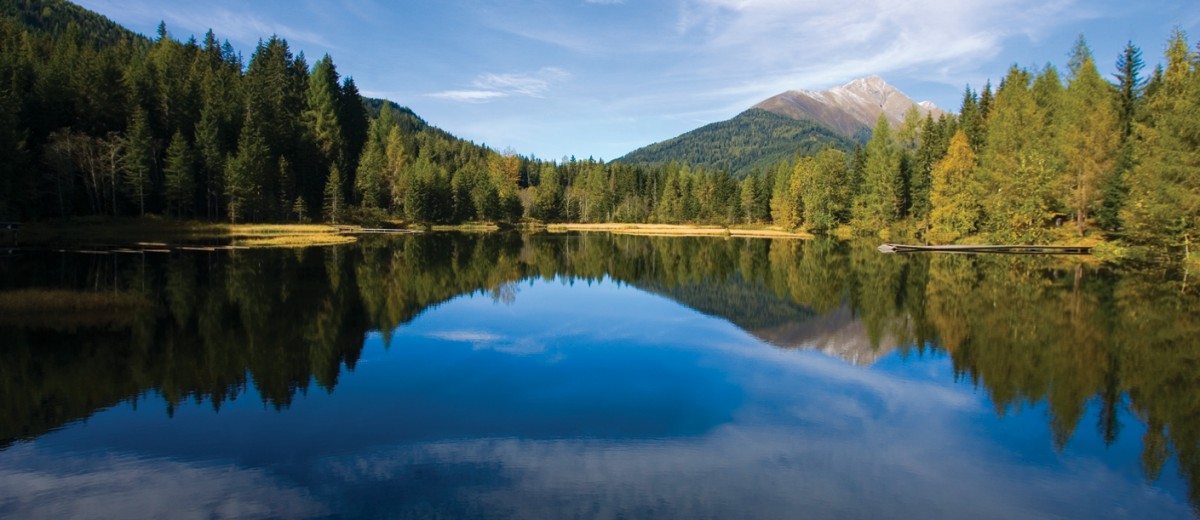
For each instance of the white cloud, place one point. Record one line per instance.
(37, 484)
(491, 86)
(465, 336)
(816, 44)
(468, 96)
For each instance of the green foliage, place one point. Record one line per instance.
(954, 197)
(826, 195)
(753, 139)
(179, 184)
(548, 195)
(335, 202)
(881, 199)
(1090, 136)
(1164, 191)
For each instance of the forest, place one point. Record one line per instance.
(98, 121)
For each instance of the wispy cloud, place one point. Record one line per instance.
(819, 43)
(481, 340)
(491, 86)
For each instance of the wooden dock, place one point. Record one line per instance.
(993, 249)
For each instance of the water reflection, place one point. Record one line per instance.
(589, 397)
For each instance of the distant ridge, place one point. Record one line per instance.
(779, 127)
(754, 139)
(849, 108)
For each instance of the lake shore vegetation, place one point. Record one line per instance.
(99, 122)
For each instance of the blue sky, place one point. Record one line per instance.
(600, 78)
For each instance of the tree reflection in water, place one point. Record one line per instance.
(86, 332)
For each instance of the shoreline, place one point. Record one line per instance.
(679, 230)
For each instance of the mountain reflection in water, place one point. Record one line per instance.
(1090, 348)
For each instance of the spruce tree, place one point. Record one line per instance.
(139, 162)
(954, 194)
(1164, 197)
(335, 201)
(178, 176)
(1090, 136)
(825, 194)
(881, 199)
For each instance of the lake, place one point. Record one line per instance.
(595, 376)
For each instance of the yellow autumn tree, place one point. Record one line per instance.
(953, 196)
(1090, 135)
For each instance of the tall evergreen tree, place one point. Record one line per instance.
(881, 199)
(1015, 167)
(139, 162)
(243, 176)
(1090, 136)
(954, 193)
(179, 183)
(825, 193)
(1164, 205)
(335, 200)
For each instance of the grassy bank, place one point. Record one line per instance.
(679, 230)
(157, 231)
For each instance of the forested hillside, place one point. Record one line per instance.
(754, 139)
(98, 121)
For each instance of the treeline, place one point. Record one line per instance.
(97, 124)
(1046, 156)
(754, 139)
(97, 121)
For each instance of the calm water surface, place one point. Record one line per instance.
(596, 376)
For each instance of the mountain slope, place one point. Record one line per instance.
(779, 127)
(753, 139)
(849, 108)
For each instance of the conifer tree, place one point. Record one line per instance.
(1090, 136)
(211, 160)
(1164, 196)
(335, 201)
(243, 174)
(881, 198)
(179, 177)
(1015, 168)
(825, 193)
(548, 197)
(139, 162)
(954, 193)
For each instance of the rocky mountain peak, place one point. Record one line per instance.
(847, 108)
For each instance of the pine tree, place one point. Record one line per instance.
(321, 115)
(548, 197)
(1164, 190)
(825, 193)
(1090, 136)
(881, 199)
(335, 201)
(971, 120)
(211, 160)
(178, 176)
(243, 173)
(1129, 85)
(953, 193)
(139, 162)
(1113, 186)
(1015, 166)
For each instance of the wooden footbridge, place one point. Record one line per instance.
(995, 249)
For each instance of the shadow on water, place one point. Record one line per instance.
(85, 332)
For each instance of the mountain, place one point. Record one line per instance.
(54, 17)
(753, 139)
(849, 108)
(779, 127)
